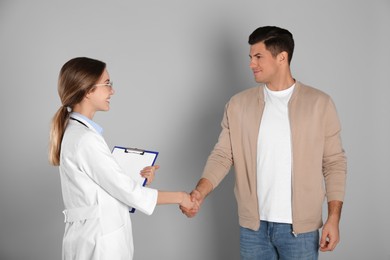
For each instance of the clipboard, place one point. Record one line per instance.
(132, 161)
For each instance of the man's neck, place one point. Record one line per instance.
(281, 84)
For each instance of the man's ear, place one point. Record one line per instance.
(283, 56)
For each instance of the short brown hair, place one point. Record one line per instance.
(275, 39)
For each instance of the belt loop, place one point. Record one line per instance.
(65, 216)
(81, 213)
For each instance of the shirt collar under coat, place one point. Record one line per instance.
(293, 95)
(88, 122)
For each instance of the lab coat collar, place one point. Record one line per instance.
(90, 124)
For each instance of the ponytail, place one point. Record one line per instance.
(77, 77)
(58, 125)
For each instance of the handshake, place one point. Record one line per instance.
(190, 205)
(195, 199)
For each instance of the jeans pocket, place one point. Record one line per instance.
(310, 241)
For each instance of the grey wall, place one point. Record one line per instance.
(175, 65)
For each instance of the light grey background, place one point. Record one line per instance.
(175, 64)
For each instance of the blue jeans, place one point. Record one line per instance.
(276, 241)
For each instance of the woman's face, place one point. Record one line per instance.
(100, 96)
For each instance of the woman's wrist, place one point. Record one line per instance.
(182, 197)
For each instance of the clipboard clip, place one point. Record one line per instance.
(134, 150)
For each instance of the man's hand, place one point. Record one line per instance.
(330, 236)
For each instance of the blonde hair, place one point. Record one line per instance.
(77, 77)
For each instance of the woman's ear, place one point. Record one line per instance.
(89, 93)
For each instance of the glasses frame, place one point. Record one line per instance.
(109, 84)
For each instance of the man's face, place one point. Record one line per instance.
(264, 66)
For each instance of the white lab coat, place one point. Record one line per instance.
(97, 195)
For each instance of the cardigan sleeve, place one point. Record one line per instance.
(334, 159)
(220, 160)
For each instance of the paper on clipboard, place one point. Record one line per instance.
(133, 160)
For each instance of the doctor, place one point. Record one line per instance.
(96, 192)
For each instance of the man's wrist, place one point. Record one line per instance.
(334, 211)
(204, 187)
(201, 192)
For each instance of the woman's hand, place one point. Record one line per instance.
(148, 173)
(188, 203)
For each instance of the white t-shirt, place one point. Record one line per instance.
(274, 158)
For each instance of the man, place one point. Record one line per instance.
(283, 138)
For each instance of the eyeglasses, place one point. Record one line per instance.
(109, 84)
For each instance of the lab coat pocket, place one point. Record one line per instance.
(115, 244)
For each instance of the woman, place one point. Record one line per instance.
(96, 192)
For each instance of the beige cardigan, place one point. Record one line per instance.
(317, 154)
